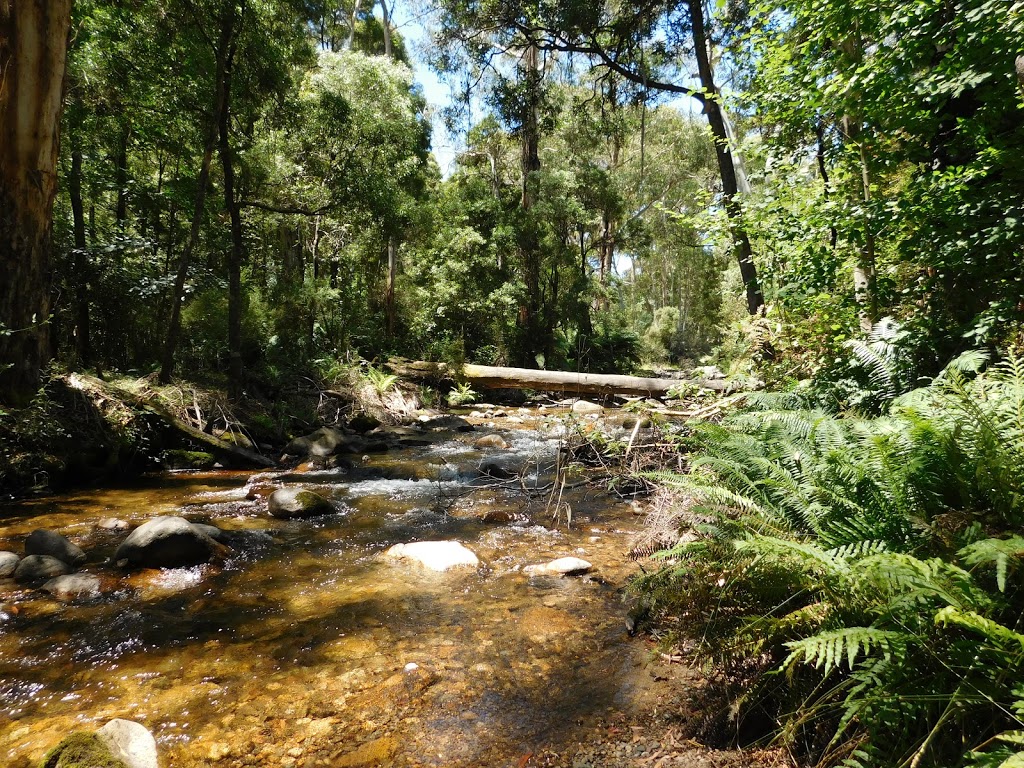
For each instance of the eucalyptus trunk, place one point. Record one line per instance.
(236, 256)
(529, 247)
(81, 261)
(726, 168)
(33, 48)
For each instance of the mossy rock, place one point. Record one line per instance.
(177, 459)
(81, 750)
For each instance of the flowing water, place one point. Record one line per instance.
(305, 647)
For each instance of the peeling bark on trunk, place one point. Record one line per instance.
(33, 48)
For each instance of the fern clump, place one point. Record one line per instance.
(859, 577)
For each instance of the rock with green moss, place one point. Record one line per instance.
(178, 459)
(82, 750)
(287, 503)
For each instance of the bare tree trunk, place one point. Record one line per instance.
(864, 268)
(529, 247)
(388, 49)
(237, 254)
(726, 168)
(33, 49)
(178, 295)
(121, 178)
(81, 260)
(352, 26)
(389, 296)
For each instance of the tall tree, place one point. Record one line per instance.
(33, 48)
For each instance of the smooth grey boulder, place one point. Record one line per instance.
(8, 564)
(213, 532)
(74, 586)
(449, 422)
(326, 441)
(130, 742)
(36, 569)
(288, 503)
(165, 542)
(44, 542)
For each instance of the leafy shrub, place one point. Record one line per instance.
(859, 576)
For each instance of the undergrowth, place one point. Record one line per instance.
(856, 582)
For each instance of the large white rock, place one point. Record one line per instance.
(563, 566)
(585, 407)
(130, 742)
(435, 555)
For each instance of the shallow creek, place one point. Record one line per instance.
(305, 647)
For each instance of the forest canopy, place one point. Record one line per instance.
(246, 189)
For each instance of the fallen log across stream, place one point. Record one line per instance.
(227, 453)
(493, 377)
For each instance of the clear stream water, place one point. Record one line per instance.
(298, 649)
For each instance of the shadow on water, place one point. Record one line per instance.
(306, 646)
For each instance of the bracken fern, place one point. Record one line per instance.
(860, 575)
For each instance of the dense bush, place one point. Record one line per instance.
(859, 578)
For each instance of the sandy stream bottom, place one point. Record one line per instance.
(305, 648)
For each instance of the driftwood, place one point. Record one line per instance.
(492, 377)
(225, 452)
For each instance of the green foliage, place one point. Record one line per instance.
(872, 561)
(381, 381)
(463, 394)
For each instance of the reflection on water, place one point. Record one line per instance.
(304, 647)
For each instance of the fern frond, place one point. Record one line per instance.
(990, 630)
(997, 552)
(828, 650)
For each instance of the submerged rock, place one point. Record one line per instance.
(113, 524)
(130, 742)
(8, 564)
(73, 586)
(435, 555)
(288, 503)
(491, 441)
(36, 569)
(82, 750)
(563, 566)
(44, 542)
(165, 542)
